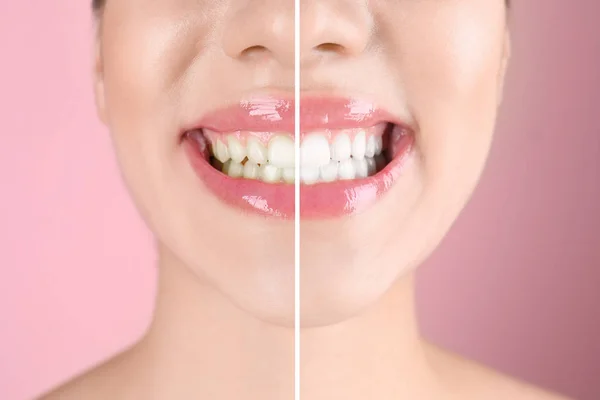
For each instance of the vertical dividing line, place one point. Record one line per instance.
(297, 200)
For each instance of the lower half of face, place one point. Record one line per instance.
(398, 102)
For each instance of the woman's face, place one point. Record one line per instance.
(169, 70)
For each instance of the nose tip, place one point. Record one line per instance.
(328, 28)
(256, 32)
(332, 29)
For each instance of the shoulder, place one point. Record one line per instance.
(470, 380)
(108, 380)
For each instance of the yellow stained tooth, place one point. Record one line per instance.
(225, 167)
(251, 170)
(221, 152)
(235, 170)
(281, 152)
(237, 152)
(289, 175)
(256, 151)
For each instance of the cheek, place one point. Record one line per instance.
(138, 84)
(134, 71)
(148, 50)
(453, 84)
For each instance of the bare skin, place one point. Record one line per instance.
(470, 381)
(352, 360)
(221, 326)
(117, 380)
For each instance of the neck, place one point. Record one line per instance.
(378, 354)
(201, 342)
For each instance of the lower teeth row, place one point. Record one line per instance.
(336, 170)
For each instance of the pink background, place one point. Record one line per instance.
(514, 285)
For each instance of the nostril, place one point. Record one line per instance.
(254, 51)
(330, 48)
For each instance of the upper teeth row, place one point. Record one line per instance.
(315, 149)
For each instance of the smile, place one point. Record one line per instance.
(351, 152)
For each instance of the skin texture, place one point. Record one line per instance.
(447, 77)
(222, 325)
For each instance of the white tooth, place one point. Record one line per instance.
(371, 166)
(314, 151)
(250, 170)
(237, 152)
(359, 145)
(346, 170)
(281, 152)
(370, 149)
(289, 175)
(256, 151)
(341, 149)
(220, 151)
(309, 175)
(378, 145)
(270, 173)
(380, 162)
(235, 170)
(329, 172)
(361, 168)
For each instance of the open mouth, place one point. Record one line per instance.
(325, 156)
(348, 158)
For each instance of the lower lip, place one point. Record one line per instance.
(317, 201)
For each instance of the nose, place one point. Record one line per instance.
(259, 30)
(332, 29)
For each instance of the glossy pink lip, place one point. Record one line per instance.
(322, 200)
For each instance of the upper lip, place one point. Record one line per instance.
(270, 113)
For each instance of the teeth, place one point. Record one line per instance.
(329, 172)
(270, 173)
(237, 152)
(225, 167)
(378, 145)
(346, 170)
(347, 157)
(334, 170)
(341, 149)
(361, 168)
(370, 149)
(371, 166)
(251, 170)
(221, 152)
(289, 175)
(359, 145)
(233, 169)
(314, 151)
(309, 175)
(256, 151)
(281, 152)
